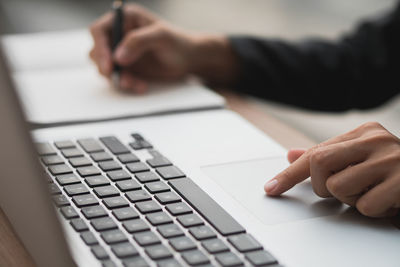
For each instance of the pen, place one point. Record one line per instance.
(117, 33)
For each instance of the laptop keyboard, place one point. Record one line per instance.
(133, 211)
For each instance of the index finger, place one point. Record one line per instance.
(299, 170)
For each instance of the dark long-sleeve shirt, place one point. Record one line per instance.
(360, 70)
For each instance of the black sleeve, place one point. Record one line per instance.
(360, 70)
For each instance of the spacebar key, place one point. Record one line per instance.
(207, 207)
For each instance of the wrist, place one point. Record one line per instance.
(212, 59)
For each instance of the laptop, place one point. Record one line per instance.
(176, 190)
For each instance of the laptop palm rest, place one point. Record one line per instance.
(244, 181)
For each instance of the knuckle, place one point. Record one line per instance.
(161, 31)
(372, 125)
(380, 137)
(318, 157)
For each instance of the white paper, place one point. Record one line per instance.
(57, 83)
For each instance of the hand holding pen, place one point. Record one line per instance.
(150, 49)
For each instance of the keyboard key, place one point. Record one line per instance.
(109, 165)
(101, 156)
(128, 185)
(69, 212)
(114, 145)
(94, 212)
(76, 189)
(124, 250)
(84, 200)
(169, 263)
(113, 236)
(170, 172)
(53, 189)
(98, 180)
(146, 238)
(90, 145)
(137, 167)
(99, 252)
(195, 257)
(52, 160)
(148, 206)
(244, 243)
(67, 179)
(125, 214)
(202, 232)
(106, 191)
(170, 230)
(215, 246)
(228, 259)
(134, 226)
(89, 238)
(88, 171)
(137, 136)
(178, 208)
(159, 162)
(71, 152)
(260, 258)
(159, 218)
(128, 158)
(102, 224)
(64, 144)
(115, 202)
(79, 225)
(167, 198)
(118, 175)
(60, 169)
(108, 263)
(135, 262)
(207, 207)
(158, 252)
(182, 243)
(60, 200)
(157, 187)
(80, 162)
(140, 144)
(45, 149)
(190, 220)
(145, 177)
(136, 196)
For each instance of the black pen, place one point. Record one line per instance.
(117, 33)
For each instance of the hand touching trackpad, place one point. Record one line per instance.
(244, 181)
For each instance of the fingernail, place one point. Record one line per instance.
(270, 185)
(121, 53)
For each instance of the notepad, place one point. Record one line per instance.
(58, 83)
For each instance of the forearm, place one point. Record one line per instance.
(359, 70)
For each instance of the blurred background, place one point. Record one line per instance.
(288, 19)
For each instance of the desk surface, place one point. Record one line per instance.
(13, 253)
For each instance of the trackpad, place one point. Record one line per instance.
(244, 181)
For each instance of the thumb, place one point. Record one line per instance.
(136, 43)
(294, 154)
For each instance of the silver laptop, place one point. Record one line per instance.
(176, 190)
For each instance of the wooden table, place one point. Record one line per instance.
(13, 253)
